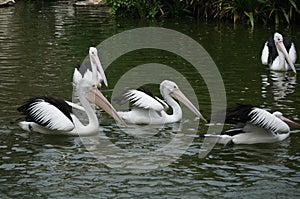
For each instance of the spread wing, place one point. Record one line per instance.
(141, 99)
(267, 121)
(250, 117)
(51, 113)
(238, 114)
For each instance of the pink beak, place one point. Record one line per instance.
(287, 57)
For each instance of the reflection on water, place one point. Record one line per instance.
(146, 131)
(40, 44)
(278, 85)
(142, 148)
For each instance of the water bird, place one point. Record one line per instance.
(4, 3)
(254, 125)
(86, 70)
(50, 115)
(149, 109)
(89, 3)
(279, 53)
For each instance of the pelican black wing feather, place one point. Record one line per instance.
(148, 92)
(82, 68)
(272, 50)
(238, 114)
(287, 43)
(233, 132)
(60, 104)
(122, 98)
(141, 98)
(234, 115)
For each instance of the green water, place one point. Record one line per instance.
(40, 44)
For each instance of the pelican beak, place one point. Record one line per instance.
(291, 123)
(182, 98)
(96, 97)
(96, 61)
(287, 57)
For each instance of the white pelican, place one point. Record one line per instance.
(87, 69)
(279, 53)
(256, 126)
(149, 109)
(5, 3)
(48, 115)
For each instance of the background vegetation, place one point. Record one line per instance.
(250, 11)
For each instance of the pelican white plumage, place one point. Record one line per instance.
(5, 3)
(49, 115)
(149, 109)
(256, 125)
(86, 69)
(279, 53)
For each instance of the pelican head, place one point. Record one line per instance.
(95, 62)
(278, 39)
(289, 122)
(170, 88)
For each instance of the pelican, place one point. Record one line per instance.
(256, 125)
(48, 115)
(149, 109)
(4, 3)
(279, 53)
(89, 70)
(86, 70)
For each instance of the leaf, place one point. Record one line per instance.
(286, 15)
(294, 5)
(251, 18)
(235, 18)
(276, 18)
(247, 14)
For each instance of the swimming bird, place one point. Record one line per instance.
(86, 69)
(255, 125)
(279, 53)
(50, 115)
(5, 3)
(149, 109)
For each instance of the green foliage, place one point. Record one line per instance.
(281, 11)
(145, 8)
(237, 9)
(250, 11)
(122, 7)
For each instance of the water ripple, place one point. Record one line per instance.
(40, 44)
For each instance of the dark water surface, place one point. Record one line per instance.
(40, 44)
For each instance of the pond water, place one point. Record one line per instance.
(40, 44)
